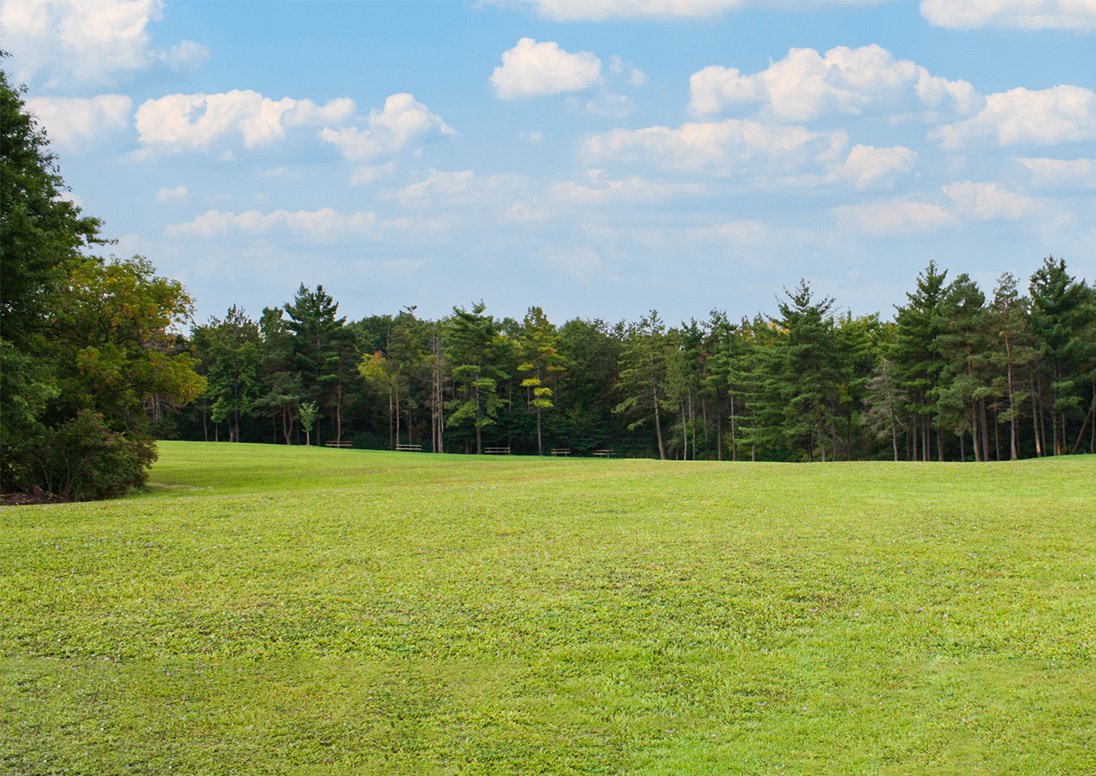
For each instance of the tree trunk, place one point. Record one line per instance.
(658, 425)
(540, 441)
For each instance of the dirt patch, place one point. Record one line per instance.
(36, 496)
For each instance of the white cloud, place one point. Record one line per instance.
(186, 122)
(1062, 173)
(323, 224)
(726, 148)
(532, 69)
(403, 121)
(72, 123)
(178, 194)
(852, 82)
(84, 42)
(1062, 114)
(897, 218)
(990, 201)
(870, 167)
(1077, 15)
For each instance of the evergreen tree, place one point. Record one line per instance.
(644, 370)
(318, 346)
(917, 362)
(473, 350)
(1060, 318)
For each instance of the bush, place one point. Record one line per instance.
(83, 460)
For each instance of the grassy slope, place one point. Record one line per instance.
(264, 608)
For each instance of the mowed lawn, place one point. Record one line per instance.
(265, 609)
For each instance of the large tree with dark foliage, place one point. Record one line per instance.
(89, 355)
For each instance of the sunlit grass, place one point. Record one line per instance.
(263, 609)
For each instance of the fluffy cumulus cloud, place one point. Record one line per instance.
(323, 224)
(991, 201)
(1062, 114)
(896, 218)
(403, 121)
(532, 69)
(199, 122)
(74, 123)
(1062, 173)
(724, 148)
(1018, 14)
(83, 42)
(806, 85)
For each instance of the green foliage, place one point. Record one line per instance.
(41, 234)
(475, 352)
(87, 346)
(83, 459)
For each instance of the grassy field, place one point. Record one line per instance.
(270, 609)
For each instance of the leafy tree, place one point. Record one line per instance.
(309, 412)
(538, 348)
(42, 234)
(231, 351)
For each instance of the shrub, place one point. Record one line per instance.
(84, 460)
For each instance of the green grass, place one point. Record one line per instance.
(268, 609)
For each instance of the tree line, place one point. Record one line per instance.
(956, 375)
(95, 364)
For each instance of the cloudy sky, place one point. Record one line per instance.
(596, 157)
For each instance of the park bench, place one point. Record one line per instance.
(409, 448)
(338, 444)
(603, 453)
(496, 451)
(560, 451)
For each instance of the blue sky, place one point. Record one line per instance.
(597, 158)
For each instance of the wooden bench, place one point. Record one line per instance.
(338, 444)
(603, 453)
(409, 448)
(560, 451)
(496, 451)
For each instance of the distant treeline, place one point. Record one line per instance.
(956, 375)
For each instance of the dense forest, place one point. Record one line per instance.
(96, 362)
(956, 375)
